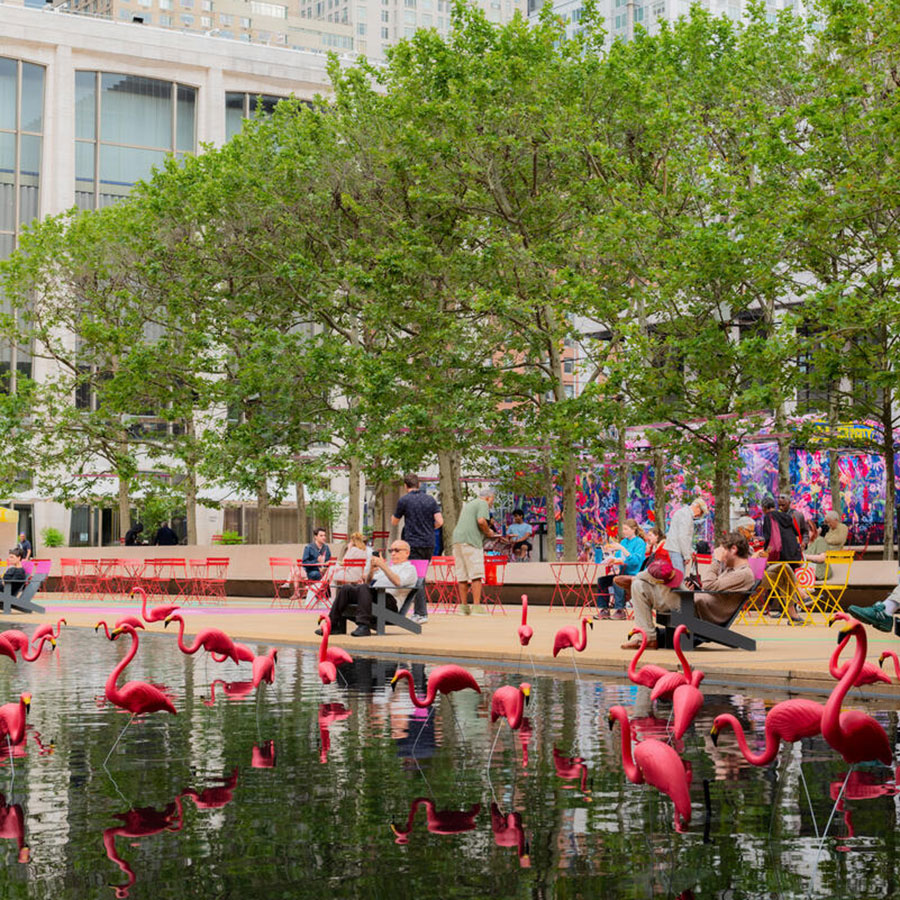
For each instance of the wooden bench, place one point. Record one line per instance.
(22, 600)
(699, 629)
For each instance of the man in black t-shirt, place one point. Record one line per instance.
(421, 516)
(15, 576)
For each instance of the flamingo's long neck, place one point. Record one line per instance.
(583, 643)
(181, 645)
(143, 594)
(36, 652)
(685, 665)
(106, 629)
(632, 668)
(889, 654)
(59, 625)
(634, 774)
(112, 692)
(326, 633)
(831, 717)
(524, 610)
(519, 711)
(755, 759)
(833, 668)
(429, 694)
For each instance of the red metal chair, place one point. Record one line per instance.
(494, 577)
(69, 572)
(133, 574)
(156, 578)
(381, 536)
(216, 576)
(319, 591)
(86, 582)
(178, 572)
(198, 569)
(444, 594)
(282, 569)
(106, 578)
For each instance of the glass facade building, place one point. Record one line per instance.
(124, 126)
(21, 138)
(240, 106)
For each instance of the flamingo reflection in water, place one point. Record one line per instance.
(263, 756)
(233, 690)
(139, 822)
(861, 786)
(328, 713)
(12, 827)
(214, 797)
(508, 832)
(437, 821)
(571, 768)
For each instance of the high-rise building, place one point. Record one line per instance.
(622, 16)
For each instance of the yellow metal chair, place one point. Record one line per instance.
(784, 590)
(827, 598)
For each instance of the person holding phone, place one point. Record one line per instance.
(630, 553)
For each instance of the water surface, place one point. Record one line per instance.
(348, 791)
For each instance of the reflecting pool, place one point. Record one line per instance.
(349, 791)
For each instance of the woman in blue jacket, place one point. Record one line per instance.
(631, 550)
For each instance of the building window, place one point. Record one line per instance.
(245, 22)
(384, 33)
(21, 147)
(385, 15)
(226, 19)
(361, 28)
(426, 20)
(187, 4)
(206, 21)
(187, 19)
(409, 32)
(240, 106)
(274, 10)
(124, 126)
(206, 5)
(409, 18)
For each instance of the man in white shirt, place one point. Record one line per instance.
(398, 576)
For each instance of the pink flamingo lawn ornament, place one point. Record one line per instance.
(12, 724)
(525, 631)
(330, 657)
(786, 722)
(665, 687)
(209, 639)
(568, 636)
(870, 674)
(648, 675)
(47, 628)
(136, 697)
(686, 702)
(508, 703)
(20, 641)
(133, 621)
(657, 764)
(857, 737)
(889, 654)
(7, 649)
(263, 756)
(158, 613)
(442, 680)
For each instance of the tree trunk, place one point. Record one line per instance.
(550, 507)
(353, 495)
(622, 479)
(722, 482)
(190, 484)
(570, 510)
(834, 472)
(124, 505)
(451, 492)
(302, 517)
(263, 517)
(190, 506)
(890, 494)
(784, 452)
(659, 489)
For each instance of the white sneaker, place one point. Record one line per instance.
(419, 620)
(287, 584)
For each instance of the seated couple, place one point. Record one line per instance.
(729, 572)
(398, 576)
